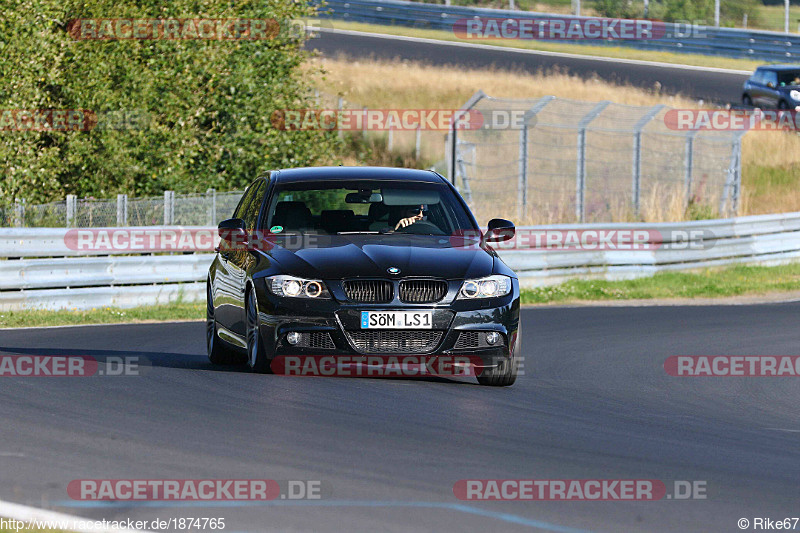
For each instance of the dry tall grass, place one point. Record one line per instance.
(770, 160)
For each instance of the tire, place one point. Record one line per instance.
(256, 355)
(505, 374)
(747, 101)
(218, 352)
(783, 105)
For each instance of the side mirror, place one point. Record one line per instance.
(499, 230)
(233, 232)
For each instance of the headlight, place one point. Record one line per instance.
(293, 287)
(488, 287)
(795, 95)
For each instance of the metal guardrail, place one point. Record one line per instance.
(680, 38)
(39, 273)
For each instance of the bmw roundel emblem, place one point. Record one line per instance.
(393, 270)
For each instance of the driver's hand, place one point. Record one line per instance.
(404, 222)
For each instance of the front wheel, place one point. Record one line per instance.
(747, 101)
(783, 105)
(218, 352)
(256, 355)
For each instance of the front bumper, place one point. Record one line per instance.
(331, 327)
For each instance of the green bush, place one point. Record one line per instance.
(202, 106)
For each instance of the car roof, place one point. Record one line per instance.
(779, 68)
(292, 175)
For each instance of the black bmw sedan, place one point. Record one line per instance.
(346, 262)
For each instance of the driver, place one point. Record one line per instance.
(409, 216)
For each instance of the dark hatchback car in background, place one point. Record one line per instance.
(343, 261)
(773, 86)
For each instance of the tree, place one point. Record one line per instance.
(193, 113)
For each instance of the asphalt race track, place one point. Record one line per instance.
(594, 403)
(699, 83)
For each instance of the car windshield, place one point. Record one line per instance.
(368, 207)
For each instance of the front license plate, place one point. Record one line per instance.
(396, 320)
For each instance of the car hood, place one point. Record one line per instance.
(345, 256)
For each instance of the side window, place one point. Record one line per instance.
(250, 214)
(248, 194)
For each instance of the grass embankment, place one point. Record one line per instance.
(709, 283)
(104, 315)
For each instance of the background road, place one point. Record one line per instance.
(699, 83)
(595, 403)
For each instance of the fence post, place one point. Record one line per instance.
(339, 106)
(522, 183)
(637, 155)
(580, 178)
(19, 212)
(737, 182)
(452, 159)
(72, 204)
(417, 143)
(390, 140)
(688, 161)
(364, 122)
(212, 208)
(169, 208)
(733, 179)
(122, 210)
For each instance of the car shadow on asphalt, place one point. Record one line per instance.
(142, 360)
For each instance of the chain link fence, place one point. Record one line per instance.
(197, 209)
(554, 160)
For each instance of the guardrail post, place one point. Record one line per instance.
(212, 207)
(636, 186)
(122, 210)
(19, 212)
(169, 208)
(417, 143)
(72, 204)
(580, 178)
